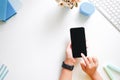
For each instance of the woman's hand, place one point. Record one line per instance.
(69, 58)
(89, 65)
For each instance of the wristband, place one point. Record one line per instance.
(68, 67)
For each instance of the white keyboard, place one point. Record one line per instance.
(110, 10)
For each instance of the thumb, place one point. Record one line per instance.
(73, 60)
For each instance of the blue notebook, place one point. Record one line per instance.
(7, 10)
(10, 11)
(16, 4)
(3, 9)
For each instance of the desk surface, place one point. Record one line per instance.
(33, 42)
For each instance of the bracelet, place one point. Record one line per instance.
(68, 67)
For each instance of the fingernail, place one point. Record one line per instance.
(81, 54)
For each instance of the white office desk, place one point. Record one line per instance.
(33, 42)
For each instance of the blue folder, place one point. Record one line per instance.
(3, 9)
(7, 10)
(10, 11)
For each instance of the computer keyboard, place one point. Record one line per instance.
(110, 10)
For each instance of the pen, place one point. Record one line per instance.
(1, 67)
(113, 67)
(3, 71)
(107, 70)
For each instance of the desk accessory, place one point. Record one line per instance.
(6, 10)
(10, 11)
(3, 6)
(87, 8)
(68, 3)
(16, 4)
(3, 71)
(108, 69)
(110, 9)
(113, 67)
(109, 73)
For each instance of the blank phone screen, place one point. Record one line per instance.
(78, 41)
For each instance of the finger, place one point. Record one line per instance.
(95, 61)
(69, 45)
(85, 59)
(73, 0)
(78, 0)
(90, 60)
(69, 50)
(83, 66)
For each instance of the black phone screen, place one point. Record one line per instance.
(78, 42)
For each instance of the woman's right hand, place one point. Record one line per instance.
(89, 65)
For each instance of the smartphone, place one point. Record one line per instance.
(78, 41)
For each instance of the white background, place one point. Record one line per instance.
(33, 42)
